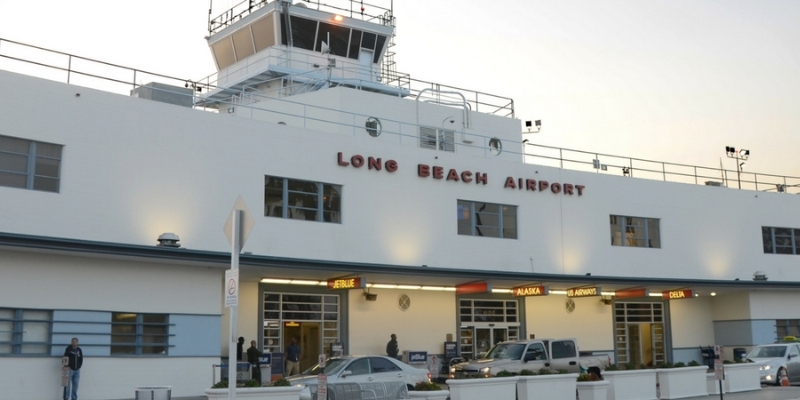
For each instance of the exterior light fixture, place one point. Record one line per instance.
(338, 18)
(740, 155)
(713, 294)
(168, 239)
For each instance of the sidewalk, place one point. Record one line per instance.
(766, 393)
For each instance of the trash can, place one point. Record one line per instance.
(154, 393)
(739, 353)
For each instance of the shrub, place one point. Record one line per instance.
(630, 366)
(220, 385)
(584, 377)
(613, 367)
(251, 383)
(427, 386)
(562, 371)
(526, 372)
(679, 364)
(694, 363)
(281, 382)
(504, 373)
(545, 371)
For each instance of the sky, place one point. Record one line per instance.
(673, 81)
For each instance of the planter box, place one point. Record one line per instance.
(597, 390)
(429, 394)
(262, 393)
(679, 383)
(547, 387)
(483, 388)
(639, 384)
(741, 377)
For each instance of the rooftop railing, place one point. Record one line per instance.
(350, 8)
(658, 170)
(85, 72)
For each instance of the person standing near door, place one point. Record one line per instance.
(292, 357)
(391, 347)
(75, 356)
(253, 355)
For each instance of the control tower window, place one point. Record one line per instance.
(303, 33)
(340, 37)
(355, 44)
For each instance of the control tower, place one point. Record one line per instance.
(284, 48)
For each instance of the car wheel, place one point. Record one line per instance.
(779, 376)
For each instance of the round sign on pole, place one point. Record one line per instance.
(322, 360)
(231, 288)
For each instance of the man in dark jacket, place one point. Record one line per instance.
(391, 347)
(75, 361)
(253, 355)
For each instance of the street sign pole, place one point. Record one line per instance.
(236, 219)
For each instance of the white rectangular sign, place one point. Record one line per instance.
(231, 288)
(322, 386)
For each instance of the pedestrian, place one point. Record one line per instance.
(594, 374)
(75, 356)
(253, 355)
(391, 347)
(292, 357)
(240, 349)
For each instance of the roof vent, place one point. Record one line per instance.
(168, 239)
(759, 276)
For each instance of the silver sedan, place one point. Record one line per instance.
(363, 369)
(776, 361)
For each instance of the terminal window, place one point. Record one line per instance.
(28, 164)
(635, 232)
(780, 240)
(487, 219)
(306, 200)
(25, 331)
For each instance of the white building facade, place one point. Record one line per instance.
(425, 195)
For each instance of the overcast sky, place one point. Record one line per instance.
(665, 80)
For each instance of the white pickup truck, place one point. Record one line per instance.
(534, 354)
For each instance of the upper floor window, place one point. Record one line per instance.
(780, 240)
(487, 219)
(437, 139)
(139, 333)
(635, 232)
(28, 164)
(25, 331)
(296, 199)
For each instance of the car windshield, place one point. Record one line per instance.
(767, 352)
(506, 351)
(332, 366)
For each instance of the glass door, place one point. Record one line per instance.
(485, 338)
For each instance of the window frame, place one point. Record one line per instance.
(140, 334)
(626, 222)
(331, 213)
(472, 216)
(18, 330)
(36, 154)
(769, 238)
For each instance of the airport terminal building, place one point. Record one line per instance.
(378, 204)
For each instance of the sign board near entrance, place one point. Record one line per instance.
(347, 283)
(478, 287)
(584, 292)
(677, 294)
(531, 291)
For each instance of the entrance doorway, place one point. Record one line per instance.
(639, 331)
(308, 338)
(312, 319)
(484, 323)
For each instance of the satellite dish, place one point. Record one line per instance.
(325, 48)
